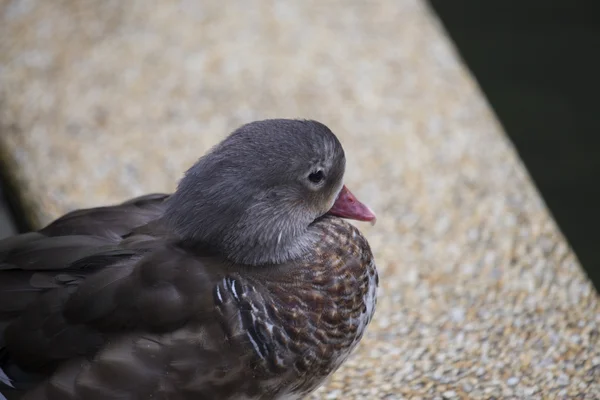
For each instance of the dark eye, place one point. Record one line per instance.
(316, 177)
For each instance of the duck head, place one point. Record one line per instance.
(255, 195)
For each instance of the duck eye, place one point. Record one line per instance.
(316, 177)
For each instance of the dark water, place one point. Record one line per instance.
(538, 63)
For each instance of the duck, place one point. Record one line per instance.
(247, 282)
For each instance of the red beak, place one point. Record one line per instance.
(347, 206)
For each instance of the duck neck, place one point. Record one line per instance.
(255, 237)
(268, 241)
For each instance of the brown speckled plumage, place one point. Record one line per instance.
(307, 330)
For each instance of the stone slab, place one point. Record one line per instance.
(481, 296)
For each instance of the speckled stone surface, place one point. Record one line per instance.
(481, 296)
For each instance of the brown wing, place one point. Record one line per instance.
(69, 249)
(112, 222)
(155, 292)
(169, 326)
(40, 270)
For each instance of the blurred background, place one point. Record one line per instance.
(537, 64)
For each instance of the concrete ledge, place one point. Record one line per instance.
(481, 296)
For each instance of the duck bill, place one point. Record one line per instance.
(347, 206)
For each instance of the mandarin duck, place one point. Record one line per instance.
(245, 283)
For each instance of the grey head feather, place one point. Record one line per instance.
(250, 197)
